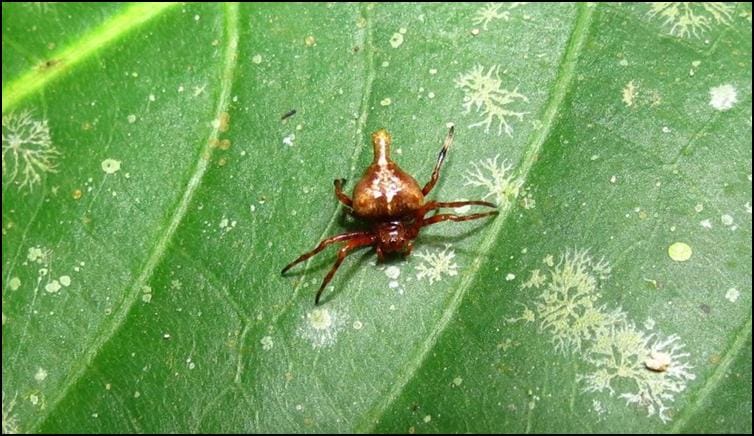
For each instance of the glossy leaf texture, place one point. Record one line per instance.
(152, 192)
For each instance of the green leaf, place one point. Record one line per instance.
(152, 194)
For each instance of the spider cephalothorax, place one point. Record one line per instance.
(394, 206)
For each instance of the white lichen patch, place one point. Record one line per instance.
(28, 151)
(723, 97)
(267, 343)
(496, 178)
(110, 166)
(645, 369)
(484, 93)
(492, 12)
(687, 19)
(321, 327)
(436, 264)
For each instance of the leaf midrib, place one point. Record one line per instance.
(202, 161)
(93, 42)
(560, 88)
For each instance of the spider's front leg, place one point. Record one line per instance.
(322, 245)
(364, 240)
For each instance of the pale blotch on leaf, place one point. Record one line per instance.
(645, 369)
(28, 151)
(497, 179)
(484, 93)
(14, 283)
(65, 280)
(687, 19)
(267, 343)
(110, 166)
(723, 97)
(629, 93)
(436, 264)
(53, 287)
(40, 375)
(396, 40)
(680, 251)
(321, 327)
(257, 59)
(393, 272)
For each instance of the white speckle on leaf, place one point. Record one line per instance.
(288, 140)
(732, 295)
(680, 251)
(427, 418)
(40, 375)
(28, 151)
(65, 280)
(137, 394)
(396, 40)
(707, 224)
(437, 264)
(392, 272)
(52, 287)
(484, 93)
(629, 93)
(131, 119)
(357, 325)
(14, 283)
(699, 207)
(257, 59)
(386, 101)
(658, 361)
(509, 277)
(267, 343)
(110, 166)
(457, 381)
(723, 97)
(727, 220)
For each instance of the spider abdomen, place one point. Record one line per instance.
(385, 191)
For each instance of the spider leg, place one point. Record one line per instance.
(322, 245)
(440, 158)
(342, 253)
(342, 197)
(432, 205)
(451, 217)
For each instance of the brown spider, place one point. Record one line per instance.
(392, 203)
